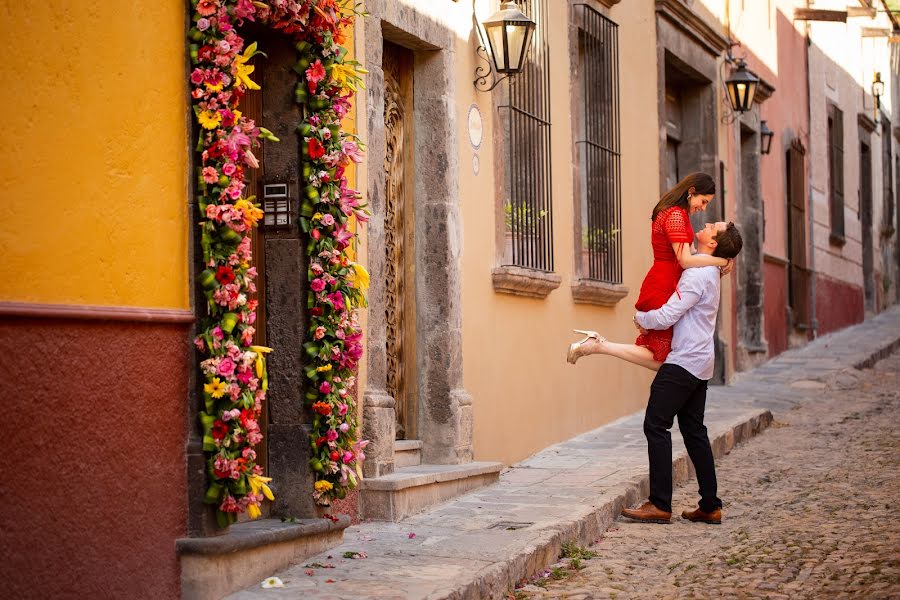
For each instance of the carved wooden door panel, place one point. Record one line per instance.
(399, 228)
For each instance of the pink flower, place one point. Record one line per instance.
(196, 76)
(351, 151)
(314, 74)
(348, 456)
(345, 427)
(244, 376)
(342, 409)
(320, 333)
(337, 300)
(209, 175)
(228, 169)
(317, 285)
(328, 220)
(226, 367)
(342, 236)
(218, 333)
(317, 269)
(201, 346)
(332, 435)
(203, 24)
(324, 388)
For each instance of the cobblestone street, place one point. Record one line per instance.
(809, 512)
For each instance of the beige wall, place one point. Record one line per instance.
(525, 395)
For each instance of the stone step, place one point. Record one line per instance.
(409, 490)
(407, 453)
(213, 567)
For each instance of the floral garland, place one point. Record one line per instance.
(235, 372)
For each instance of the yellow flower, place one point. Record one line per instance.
(209, 119)
(323, 369)
(242, 70)
(214, 87)
(317, 217)
(253, 511)
(257, 483)
(252, 214)
(260, 350)
(360, 277)
(237, 115)
(344, 75)
(323, 486)
(215, 388)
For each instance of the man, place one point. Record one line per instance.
(679, 388)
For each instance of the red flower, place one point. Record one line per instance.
(219, 429)
(322, 408)
(225, 275)
(316, 234)
(316, 149)
(334, 456)
(316, 311)
(321, 441)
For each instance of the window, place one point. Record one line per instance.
(598, 148)
(887, 179)
(836, 172)
(528, 208)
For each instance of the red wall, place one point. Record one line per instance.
(838, 304)
(94, 486)
(775, 307)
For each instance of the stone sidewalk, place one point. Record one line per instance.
(480, 545)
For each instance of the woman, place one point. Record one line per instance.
(672, 239)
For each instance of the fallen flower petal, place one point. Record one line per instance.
(412, 535)
(272, 582)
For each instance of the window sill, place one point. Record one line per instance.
(599, 293)
(836, 239)
(520, 281)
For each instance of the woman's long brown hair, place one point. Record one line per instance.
(678, 195)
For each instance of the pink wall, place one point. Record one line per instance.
(838, 304)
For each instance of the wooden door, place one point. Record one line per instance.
(399, 234)
(798, 275)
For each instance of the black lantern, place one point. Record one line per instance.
(765, 138)
(509, 33)
(741, 87)
(877, 88)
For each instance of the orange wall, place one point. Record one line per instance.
(94, 164)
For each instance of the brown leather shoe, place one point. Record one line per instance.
(698, 516)
(647, 513)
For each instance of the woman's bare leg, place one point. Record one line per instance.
(596, 344)
(638, 355)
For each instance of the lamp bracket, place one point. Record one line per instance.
(485, 73)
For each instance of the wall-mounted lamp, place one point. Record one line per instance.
(877, 89)
(765, 138)
(509, 32)
(741, 86)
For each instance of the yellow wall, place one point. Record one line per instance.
(94, 160)
(525, 395)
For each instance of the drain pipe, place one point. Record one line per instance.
(813, 323)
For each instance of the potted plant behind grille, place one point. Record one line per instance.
(598, 241)
(524, 221)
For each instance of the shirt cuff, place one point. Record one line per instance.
(639, 318)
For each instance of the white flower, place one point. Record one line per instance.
(272, 582)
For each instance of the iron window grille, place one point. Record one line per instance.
(599, 148)
(528, 209)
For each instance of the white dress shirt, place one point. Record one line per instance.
(692, 311)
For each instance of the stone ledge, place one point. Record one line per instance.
(520, 281)
(407, 445)
(599, 293)
(253, 534)
(214, 567)
(420, 475)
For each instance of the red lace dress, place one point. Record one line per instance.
(670, 226)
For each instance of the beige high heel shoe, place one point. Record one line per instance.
(576, 350)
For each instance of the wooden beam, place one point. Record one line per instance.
(858, 11)
(814, 14)
(871, 32)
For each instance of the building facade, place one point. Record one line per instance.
(504, 214)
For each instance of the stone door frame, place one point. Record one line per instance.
(444, 415)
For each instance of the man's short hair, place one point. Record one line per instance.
(728, 242)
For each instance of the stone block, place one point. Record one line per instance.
(212, 568)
